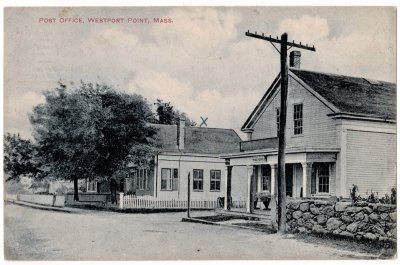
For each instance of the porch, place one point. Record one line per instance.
(308, 174)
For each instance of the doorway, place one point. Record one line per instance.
(289, 179)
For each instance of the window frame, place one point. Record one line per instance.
(298, 119)
(173, 174)
(278, 120)
(142, 182)
(198, 179)
(89, 183)
(325, 177)
(215, 180)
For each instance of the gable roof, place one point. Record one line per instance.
(353, 95)
(343, 94)
(200, 140)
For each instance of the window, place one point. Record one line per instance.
(298, 119)
(91, 186)
(323, 178)
(169, 181)
(198, 179)
(215, 180)
(278, 120)
(142, 179)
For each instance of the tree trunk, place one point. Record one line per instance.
(76, 195)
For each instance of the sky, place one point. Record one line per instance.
(201, 62)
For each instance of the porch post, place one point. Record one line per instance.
(306, 179)
(273, 179)
(259, 179)
(228, 183)
(250, 197)
(274, 198)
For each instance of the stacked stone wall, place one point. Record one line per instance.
(359, 220)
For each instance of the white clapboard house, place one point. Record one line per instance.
(182, 150)
(340, 131)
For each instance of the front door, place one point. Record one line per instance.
(289, 180)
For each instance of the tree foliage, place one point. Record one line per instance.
(20, 158)
(89, 132)
(168, 115)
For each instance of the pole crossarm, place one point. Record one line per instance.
(277, 40)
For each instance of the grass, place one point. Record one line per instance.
(257, 226)
(222, 218)
(383, 250)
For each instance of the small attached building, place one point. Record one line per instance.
(193, 150)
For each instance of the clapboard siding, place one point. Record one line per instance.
(371, 161)
(318, 129)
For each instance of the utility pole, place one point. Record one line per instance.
(281, 207)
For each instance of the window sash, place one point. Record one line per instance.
(165, 179)
(298, 119)
(215, 180)
(198, 179)
(322, 176)
(278, 120)
(175, 179)
(142, 182)
(169, 179)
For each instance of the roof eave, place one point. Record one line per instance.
(358, 116)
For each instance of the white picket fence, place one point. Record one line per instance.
(148, 202)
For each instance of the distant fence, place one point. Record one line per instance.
(89, 197)
(148, 202)
(11, 197)
(52, 200)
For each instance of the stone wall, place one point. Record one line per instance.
(360, 220)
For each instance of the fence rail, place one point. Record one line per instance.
(52, 200)
(131, 201)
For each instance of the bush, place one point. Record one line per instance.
(373, 197)
(353, 194)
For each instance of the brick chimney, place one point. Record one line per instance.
(181, 134)
(295, 59)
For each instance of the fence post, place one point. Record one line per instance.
(121, 200)
(188, 196)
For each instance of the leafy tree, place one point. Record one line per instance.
(20, 158)
(168, 115)
(89, 132)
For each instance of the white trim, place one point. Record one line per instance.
(275, 151)
(356, 116)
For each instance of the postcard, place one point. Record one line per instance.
(199, 133)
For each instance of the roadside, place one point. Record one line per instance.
(103, 235)
(43, 207)
(376, 249)
(204, 218)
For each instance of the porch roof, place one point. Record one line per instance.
(274, 151)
